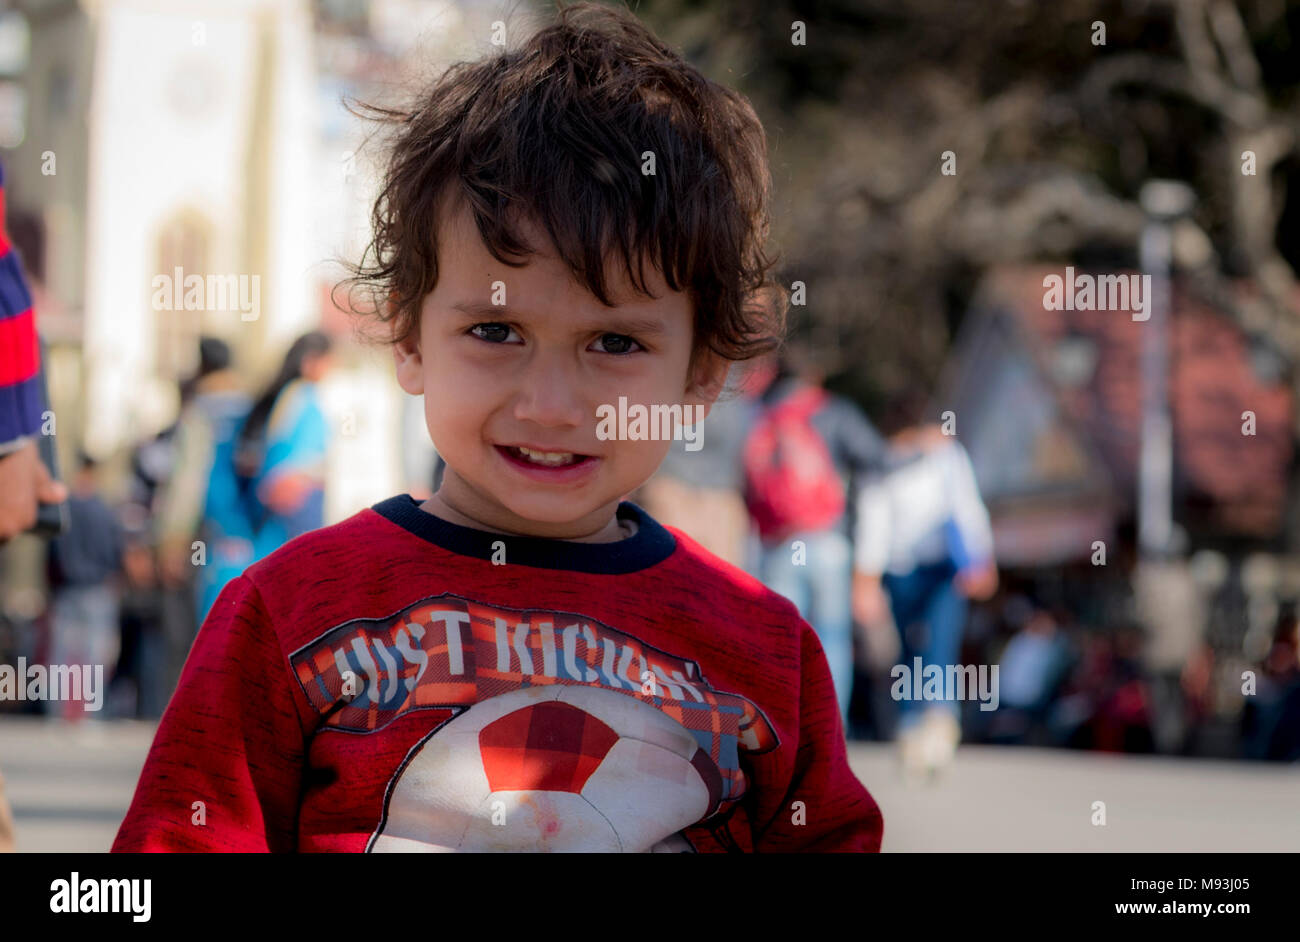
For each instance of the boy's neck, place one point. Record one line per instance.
(617, 529)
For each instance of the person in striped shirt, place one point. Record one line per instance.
(25, 482)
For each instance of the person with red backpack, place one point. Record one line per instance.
(806, 454)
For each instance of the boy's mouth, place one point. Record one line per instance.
(552, 464)
(547, 459)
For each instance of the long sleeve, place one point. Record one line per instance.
(20, 393)
(825, 808)
(225, 769)
(969, 514)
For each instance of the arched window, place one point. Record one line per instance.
(183, 247)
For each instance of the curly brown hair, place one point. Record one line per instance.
(557, 129)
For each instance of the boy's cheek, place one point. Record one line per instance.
(451, 422)
(457, 394)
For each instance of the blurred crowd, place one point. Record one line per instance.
(237, 474)
(1068, 684)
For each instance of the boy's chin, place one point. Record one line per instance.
(560, 511)
(556, 511)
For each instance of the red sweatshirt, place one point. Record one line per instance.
(398, 682)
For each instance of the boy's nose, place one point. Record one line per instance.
(549, 394)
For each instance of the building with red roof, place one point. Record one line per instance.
(1049, 405)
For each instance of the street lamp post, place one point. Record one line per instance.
(1164, 202)
(1165, 593)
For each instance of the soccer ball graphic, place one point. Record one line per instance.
(551, 768)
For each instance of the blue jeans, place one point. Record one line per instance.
(84, 631)
(930, 613)
(820, 588)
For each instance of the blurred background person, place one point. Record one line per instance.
(1106, 704)
(143, 674)
(142, 662)
(198, 501)
(85, 568)
(923, 547)
(806, 454)
(1271, 719)
(282, 447)
(1031, 669)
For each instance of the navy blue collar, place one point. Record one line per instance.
(651, 544)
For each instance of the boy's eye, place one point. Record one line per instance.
(493, 332)
(618, 343)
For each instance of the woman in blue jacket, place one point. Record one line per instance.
(282, 446)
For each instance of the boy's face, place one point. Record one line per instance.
(532, 372)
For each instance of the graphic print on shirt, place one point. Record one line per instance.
(568, 734)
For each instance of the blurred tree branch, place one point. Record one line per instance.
(1053, 137)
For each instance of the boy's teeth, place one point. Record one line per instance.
(547, 457)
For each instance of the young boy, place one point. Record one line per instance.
(526, 661)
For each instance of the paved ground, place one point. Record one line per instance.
(1008, 799)
(69, 788)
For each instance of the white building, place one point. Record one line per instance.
(206, 139)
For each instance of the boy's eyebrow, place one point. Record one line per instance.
(614, 323)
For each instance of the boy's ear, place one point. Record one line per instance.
(708, 377)
(410, 366)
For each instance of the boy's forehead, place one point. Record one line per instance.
(469, 271)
